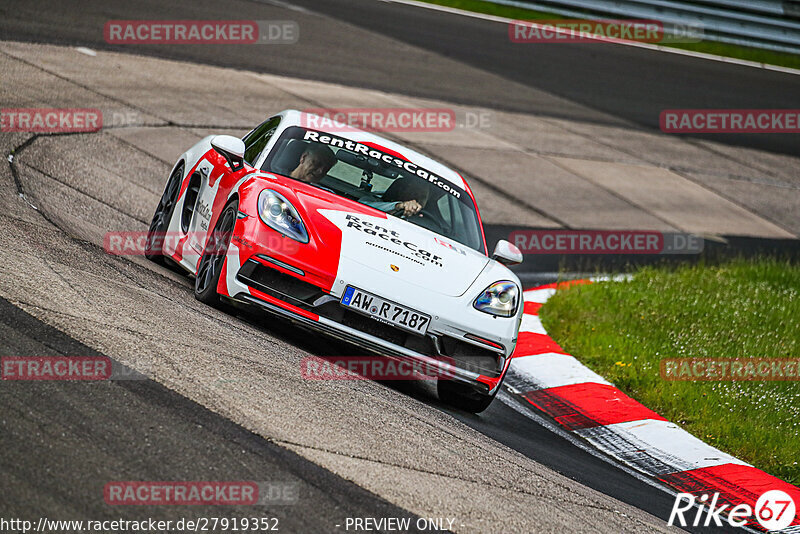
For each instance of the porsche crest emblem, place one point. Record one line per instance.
(395, 268)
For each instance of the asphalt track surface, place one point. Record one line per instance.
(394, 442)
(146, 432)
(399, 48)
(141, 403)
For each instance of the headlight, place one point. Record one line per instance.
(500, 298)
(279, 214)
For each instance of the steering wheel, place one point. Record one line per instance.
(427, 215)
(435, 218)
(398, 212)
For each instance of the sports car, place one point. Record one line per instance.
(350, 235)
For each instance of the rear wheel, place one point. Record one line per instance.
(154, 247)
(462, 396)
(212, 261)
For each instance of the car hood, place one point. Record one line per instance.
(406, 252)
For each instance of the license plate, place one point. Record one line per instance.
(385, 311)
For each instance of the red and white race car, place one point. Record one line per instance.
(351, 235)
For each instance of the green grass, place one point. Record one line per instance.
(479, 6)
(744, 308)
(707, 47)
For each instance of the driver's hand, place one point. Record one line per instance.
(409, 207)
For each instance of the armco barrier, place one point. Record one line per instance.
(766, 24)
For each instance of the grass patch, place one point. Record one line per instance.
(487, 8)
(744, 308)
(758, 55)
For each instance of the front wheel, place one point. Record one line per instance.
(213, 259)
(462, 396)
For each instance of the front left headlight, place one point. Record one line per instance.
(279, 214)
(500, 299)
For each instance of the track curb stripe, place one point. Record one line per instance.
(742, 483)
(552, 370)
(588, 405)
(583, 402)
(529, 344)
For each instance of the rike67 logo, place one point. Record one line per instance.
(774, 510)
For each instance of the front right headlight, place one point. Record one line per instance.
(500, 299)
(279, 214)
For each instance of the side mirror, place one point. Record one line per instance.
(231, 148)
(506, 253)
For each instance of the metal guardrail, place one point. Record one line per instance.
(770, 7)
(765, 24)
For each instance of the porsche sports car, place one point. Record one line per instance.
(350, 235)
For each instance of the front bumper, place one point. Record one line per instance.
(291, 297)
(480, 383)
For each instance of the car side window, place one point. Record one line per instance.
(444, 207)
(255, 141)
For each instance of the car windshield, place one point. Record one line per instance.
(378, 178)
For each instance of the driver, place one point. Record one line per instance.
(315, 162)
(406, 194)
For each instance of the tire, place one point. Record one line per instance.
(462, 396)
(209, 268)
(154, 247)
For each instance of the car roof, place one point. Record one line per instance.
(313, 121)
